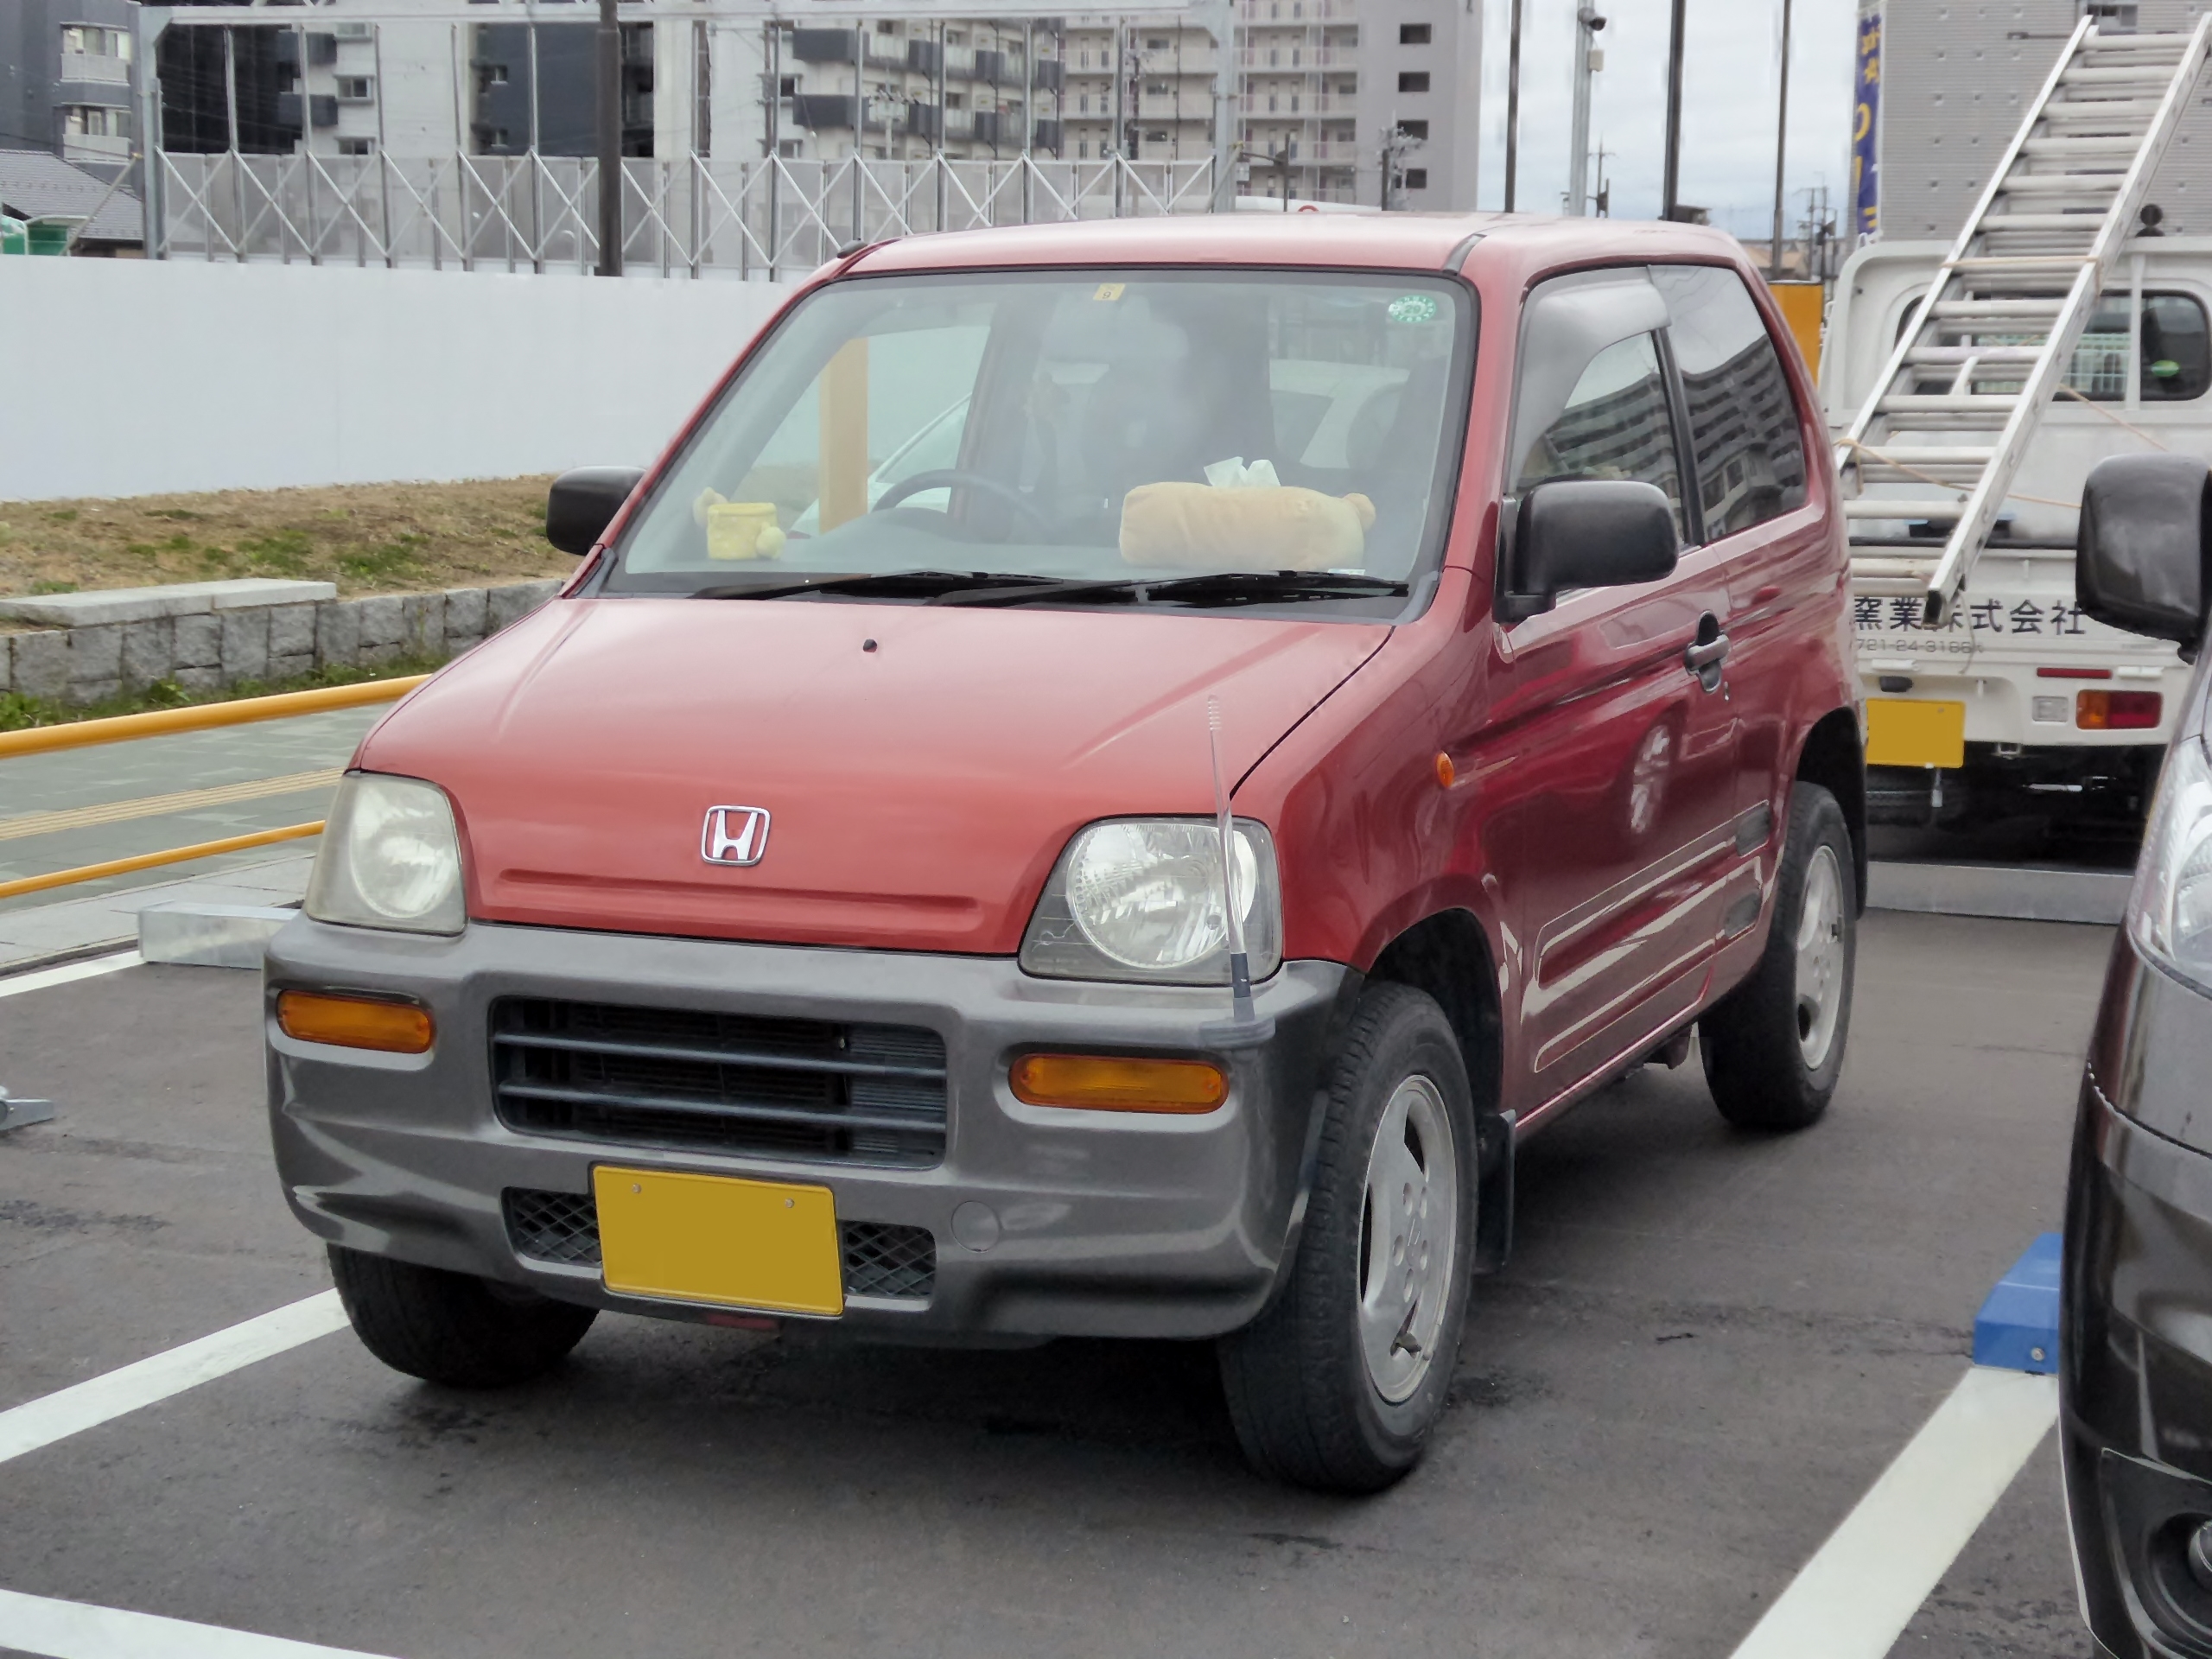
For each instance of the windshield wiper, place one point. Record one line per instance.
(1215, 587)
(889, 584)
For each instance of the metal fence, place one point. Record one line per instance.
(695, 216)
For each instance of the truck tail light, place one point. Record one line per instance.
(1104, 1083)
(355, 1022)
(2118, 711)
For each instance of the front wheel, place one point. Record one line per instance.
(1773, 1046)
(450, 1328)
(1337, 1385)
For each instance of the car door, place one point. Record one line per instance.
(1611, 755)
(1746, 429)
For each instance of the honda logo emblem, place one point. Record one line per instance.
(734, 834)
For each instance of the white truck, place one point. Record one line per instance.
(1972, 383)
(2056, 714)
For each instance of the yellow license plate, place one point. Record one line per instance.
(1914, 734)
(713, 1238)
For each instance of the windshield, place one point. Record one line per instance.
(1086, 432)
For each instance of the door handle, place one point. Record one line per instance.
(1705, 657)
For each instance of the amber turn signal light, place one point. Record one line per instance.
(2117, 711)
(1102, 1083)
(355, 1022)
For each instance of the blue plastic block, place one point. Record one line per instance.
(2018, 1327)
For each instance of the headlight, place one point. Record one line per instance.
(1140, 899)
(390, 858)
(2169, 911)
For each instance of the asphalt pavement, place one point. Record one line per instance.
(1708, 1346)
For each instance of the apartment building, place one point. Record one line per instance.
(66, 81)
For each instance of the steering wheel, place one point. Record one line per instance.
(954, 477)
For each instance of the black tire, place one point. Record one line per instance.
(1305, 1406)
(1754, 1041)
(450, 1328)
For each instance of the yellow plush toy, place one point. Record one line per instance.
(1265, 527)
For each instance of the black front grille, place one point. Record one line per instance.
(729, 1082)
(880, 1259)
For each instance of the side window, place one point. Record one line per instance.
(1751, 458)
(2176, 345)
(1615, 424)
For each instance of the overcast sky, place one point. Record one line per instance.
(1733, 59)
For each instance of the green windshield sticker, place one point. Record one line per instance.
(2165, 368)
(1414, 308)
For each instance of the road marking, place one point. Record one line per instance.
(88, 1405)
(43, 977)
(1854, 1598)
(154, 806)
(76, 1630)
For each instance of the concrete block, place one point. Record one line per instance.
(338, 633)
(149, 650)
(119, 605)
(2024, 894)
(422, 625)
(245, 652)
(291, 630)
(464, 612)
(81, 692)
(510, 604)
(199, 640)
(199, 679)
(95, 653)
(289, 668)
(380, 620)
(208, 936)
(7, 663)
(40, 667)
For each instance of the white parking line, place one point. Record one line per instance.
(74, 1629)
(42, 1421)
(61, 975)
(1854, 1598)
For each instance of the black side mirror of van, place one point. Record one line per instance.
(1587, 532)
(583, 502)
(2140, 558)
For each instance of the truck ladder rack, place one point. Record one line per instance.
(1951, 417)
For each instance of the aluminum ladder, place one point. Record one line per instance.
(2028, 267)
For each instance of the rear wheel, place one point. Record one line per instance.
(450, 1327)
(1773, 1046)
(1337, 1386)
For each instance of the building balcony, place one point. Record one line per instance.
(1266, 13)
(95, 69)
(1295, 59)
(1336, 106)
(97, 148)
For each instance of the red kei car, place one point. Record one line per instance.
(823, 909)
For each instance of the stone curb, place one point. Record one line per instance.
(217, 641)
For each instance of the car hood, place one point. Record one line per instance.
(923, 766)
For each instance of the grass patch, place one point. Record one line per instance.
(19, 712)
(367, 538)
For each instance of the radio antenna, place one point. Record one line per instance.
(1240, 964)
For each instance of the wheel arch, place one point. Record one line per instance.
(1832, 758)
(1447, 955)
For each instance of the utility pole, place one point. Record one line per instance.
(1587, 57)
(1512, 105)
(610, 140)
(1670, 197)
(1780, 144)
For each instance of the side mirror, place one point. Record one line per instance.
(1587, 532)
(583, 502)
(2140, 560)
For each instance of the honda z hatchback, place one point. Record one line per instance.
(1104, 781)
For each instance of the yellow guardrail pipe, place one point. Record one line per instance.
(77, 734)
(153, 860)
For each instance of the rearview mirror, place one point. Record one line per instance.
(2139, 559)
(1587, 532)
(583, 502)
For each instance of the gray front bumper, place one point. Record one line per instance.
(1109, 1223)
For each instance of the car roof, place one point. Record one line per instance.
(1486, 246)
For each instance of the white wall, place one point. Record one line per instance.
(122, 377)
